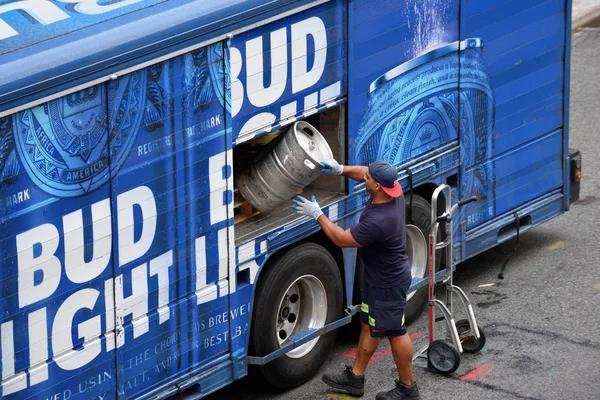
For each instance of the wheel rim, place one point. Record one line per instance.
(303, 306)
(442, 357)
(468, 342)
(416, 250)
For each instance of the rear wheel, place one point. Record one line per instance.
(469, 342)
(301, 289)
(417, 236)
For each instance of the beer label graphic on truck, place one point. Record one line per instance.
(107, 267)
(125, 273)
(118, 204)
(440, 92)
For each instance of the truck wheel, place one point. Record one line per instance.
(417, 236)
(301, 289)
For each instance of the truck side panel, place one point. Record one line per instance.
(403, 79)
(523, 54)
(287, 70)
(116, 258)
(57, 306)
(190, 250)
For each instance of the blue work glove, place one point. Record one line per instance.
(306, 207)
(332, 167)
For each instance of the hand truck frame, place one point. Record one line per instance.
(439, 355)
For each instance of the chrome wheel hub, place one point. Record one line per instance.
(416, 250)
(303, 306)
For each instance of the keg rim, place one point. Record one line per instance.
(424, 58)
(295, 128)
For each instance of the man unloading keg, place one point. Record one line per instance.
(381, 235)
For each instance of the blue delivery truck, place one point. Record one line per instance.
(133, 267)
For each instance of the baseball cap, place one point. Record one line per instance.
(387, 177)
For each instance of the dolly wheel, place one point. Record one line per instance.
(443, 357)
(469, 343)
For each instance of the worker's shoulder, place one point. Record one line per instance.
(387, 209)
(381, 215)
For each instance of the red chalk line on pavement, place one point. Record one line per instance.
(350, 354)
(379, 356)
(415, 335)
(469, 376)
(476, 373)
(376, 357)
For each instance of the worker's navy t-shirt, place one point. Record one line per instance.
(381, 232)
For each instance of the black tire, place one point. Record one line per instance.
(421, 218)
(468, 342)
(304, 259)
(443, 357)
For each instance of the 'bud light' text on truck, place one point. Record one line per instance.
(132, 264)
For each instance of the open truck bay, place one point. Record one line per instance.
(131, 265)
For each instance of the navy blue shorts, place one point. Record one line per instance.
(382, 309)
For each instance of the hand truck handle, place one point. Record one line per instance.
(445, 217)
(466, 201)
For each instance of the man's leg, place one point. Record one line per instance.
(405, 388)
(352, 379)
(366, 348)
(402, 349)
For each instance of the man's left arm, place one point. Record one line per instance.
(339, 236)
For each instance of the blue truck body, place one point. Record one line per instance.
(124, 272)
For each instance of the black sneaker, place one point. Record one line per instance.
(400, 392)
(347, 381)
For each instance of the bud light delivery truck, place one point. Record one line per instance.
(132, 265)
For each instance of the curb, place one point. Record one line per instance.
(579, 22)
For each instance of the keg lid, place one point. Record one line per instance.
(312, 142)
(423, 58)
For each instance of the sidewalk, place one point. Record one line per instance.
(584, 11)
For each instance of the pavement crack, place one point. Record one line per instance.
(586, 200)
(492, 298)
(585, 343)
(488, 293)
(488, 304)
(499, 389)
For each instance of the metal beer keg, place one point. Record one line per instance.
(290, 166)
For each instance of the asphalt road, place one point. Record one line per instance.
(542, 321)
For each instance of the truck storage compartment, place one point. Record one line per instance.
(269, 171)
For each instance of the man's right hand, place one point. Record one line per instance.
(332, 167)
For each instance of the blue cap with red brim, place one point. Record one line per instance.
(387, 177)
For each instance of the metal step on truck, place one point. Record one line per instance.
(148, 246)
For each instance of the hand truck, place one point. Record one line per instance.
(441, 356)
